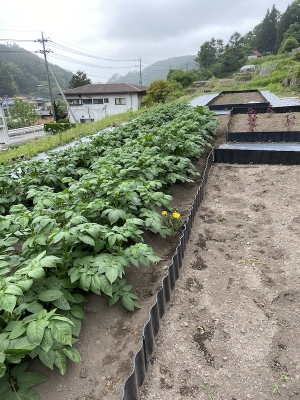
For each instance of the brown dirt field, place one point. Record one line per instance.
(238, 98)
(266, 122)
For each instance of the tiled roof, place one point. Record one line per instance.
(106, 88)
(257, 53)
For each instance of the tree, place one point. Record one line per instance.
(8, 86)
(293, 31)
(59, 108)
(79, 79)
(288, 45)
(235, 53)
(267, 33)
(159, 91)
(185, 78)
(210, 53)
(22, 113)
(289, 17)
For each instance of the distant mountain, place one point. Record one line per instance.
(158, 70)
(24, 73)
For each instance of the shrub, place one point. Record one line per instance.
(54, 128)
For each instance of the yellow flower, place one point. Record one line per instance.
(176, 215)
(164, 213)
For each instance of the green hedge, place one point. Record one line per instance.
(54, 128)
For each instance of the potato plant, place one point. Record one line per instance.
(73, 224)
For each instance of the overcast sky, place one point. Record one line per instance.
(122, 30)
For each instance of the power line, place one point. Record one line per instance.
(69, 50)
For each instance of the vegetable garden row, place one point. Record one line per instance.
(72, 224)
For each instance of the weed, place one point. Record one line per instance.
(284, 378)
(220, 217)
(276, 388)
(207, 390)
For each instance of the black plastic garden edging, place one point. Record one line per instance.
(151, 328)
(244, 156)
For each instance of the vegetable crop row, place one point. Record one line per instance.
(72, 224)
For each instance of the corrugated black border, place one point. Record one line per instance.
(283, 136)
(151, 328)
(241, 156)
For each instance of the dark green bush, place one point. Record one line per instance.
(54, 128)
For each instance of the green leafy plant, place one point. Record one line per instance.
(172, 221)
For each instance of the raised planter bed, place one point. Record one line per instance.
(238, 99)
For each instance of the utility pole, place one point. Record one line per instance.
(140, 65)
(44, 51)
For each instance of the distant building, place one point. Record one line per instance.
(44, 116)
(254, 54)
(93, 102)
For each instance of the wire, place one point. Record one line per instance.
(112, 59)
(69, 50)
(72, 60)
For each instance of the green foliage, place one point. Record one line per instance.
(73, 225)
(22, 113)
(7, 85)
(288, 45)
(160, 91)
(79, 79)
(184, 78)
(54, 128)
(27, 71)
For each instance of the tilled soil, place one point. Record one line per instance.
(232, 329)
(268, 122)
(238, 98)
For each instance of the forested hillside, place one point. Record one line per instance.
(24, 73)
(158, 70)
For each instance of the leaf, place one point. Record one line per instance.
(2, 369)
(7, 302)
(60, 361)
(35, 331)
(48, 340)
(18, 330)
(13, 289)
(72, 354)
(85, 281)
(27, 380)
(106, 286)
(20, 345)
(47, 358)
(62, 332)
(62, 304)
(95, 284)
(36, 273)
(112, 274)
(87, 239)
(77, 311)
(19, 369)
(127, 302)
(50, 295)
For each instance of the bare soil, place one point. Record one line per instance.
(266, 122)
(238, 98)
(231, 329)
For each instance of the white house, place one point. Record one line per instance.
(92, 102)
(4, 139)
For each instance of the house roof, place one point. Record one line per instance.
(107, 88)
(256, 53)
